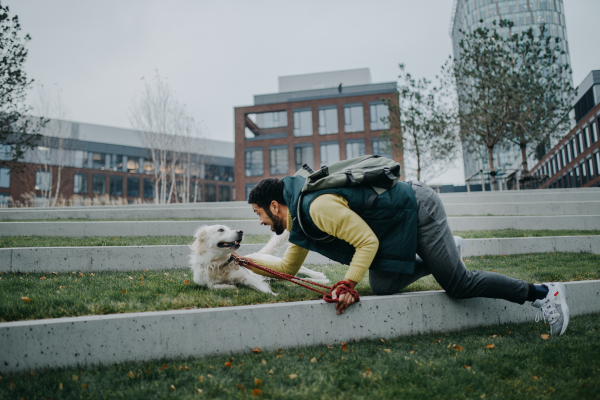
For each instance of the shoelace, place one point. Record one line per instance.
(548, 310)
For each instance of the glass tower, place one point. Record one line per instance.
(468, 15)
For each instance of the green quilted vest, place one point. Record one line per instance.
(392, 217)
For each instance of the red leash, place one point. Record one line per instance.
(342, 286)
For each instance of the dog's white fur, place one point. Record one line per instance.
(209, 261)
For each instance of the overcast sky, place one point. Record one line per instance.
(217, 54)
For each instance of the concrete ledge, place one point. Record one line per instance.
(107, 339)
(186, 228)
(126, 258)
(236, 211)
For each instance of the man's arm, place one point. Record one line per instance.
(290, 263)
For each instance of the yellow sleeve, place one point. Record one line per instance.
(331, 214)
(290, 263)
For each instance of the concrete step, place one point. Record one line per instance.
(117, 338)
(125, 258)
(245, 212)
(186, 228)
(523, 196)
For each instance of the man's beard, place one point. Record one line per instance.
(277, 222)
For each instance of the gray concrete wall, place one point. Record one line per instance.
(245, 212)
(125, 258)
(108, 339)
(186, 228)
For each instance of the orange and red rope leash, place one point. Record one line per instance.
(342, 286)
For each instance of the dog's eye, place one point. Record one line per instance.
(221, 230)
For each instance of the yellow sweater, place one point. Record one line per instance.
(331, 214)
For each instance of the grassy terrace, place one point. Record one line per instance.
(62, 295)
(521, 365)
(58, 241)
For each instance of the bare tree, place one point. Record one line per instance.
(159, 117)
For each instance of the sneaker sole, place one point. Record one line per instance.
(565, 308)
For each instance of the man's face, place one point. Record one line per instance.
(266, 217)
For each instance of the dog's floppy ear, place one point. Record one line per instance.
(200, 236)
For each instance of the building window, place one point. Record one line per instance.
(99, 161)
(303, 123)
(328, 120)
(133, 165)
(597, 162)
(211, 193)
(593, 132)
(224, 193)
(579, 143)
(565, 181)
(330, 153)
(584, 137)
(568, 152)
(380, 115)
(355, 148)
(218, 173)
(5, 178)
(133, 187)
(80, 183)
(254, 162)
(268, 120)
(304, 154)
(573, 148)
(590, 168)
(354, 120)
(583, 173)
(249, 187)
(5, 152)
(577, 178)
(382, 148)
(42, 180)
(278, 160)
(148, 188)
(562, 159)
(116, 186)
(80, 159)
(117, 163)
(571, 179)
(99, 184)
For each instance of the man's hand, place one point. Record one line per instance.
(346, 299)
(242, 260)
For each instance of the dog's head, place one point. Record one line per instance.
(217, 239)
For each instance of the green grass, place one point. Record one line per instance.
(108, 292)
(520, 366)
(516, 233)
(62, 241)
(65, 241)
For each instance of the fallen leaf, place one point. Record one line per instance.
(60, 386)
(92, 274)
(300, 355)
(148, 372)
(200, 391)
(173, 387)
(241, 387)
(293, 376)
(164, 367)
(495, 336)
(279, 355)
(467, 367)
(166, 274)
(122, 291)
(74, 377)
(544, 336)
(186, 282)
(208, 375)
(313, 360)
(170, 280)
(26, 299)
(200, 378)
(131, 277)
(257, 350)
(185, 367)
(43, 277)
(80, 275)
(141, 283)
(490, 346)
(469, 389)
(256, 392)
(62, 287)
(458, 348)
(450, 345)
(257, 382)
(330, 347)
(534, 378)
(228, 364)
(271, 371)
(280, 350)
(342, 357)
(411, 352)
(344, 347)
(145, 270)
(84, 385)
(263, 361)
(389, 351)
(482, 396)
(131, 375)
(382, 340)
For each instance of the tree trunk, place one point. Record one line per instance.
(492, 168)
(523, 147)
(57, 187)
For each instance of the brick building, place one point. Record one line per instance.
(113, 163)
(316, 119)
(575, 161)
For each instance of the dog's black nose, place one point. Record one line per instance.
(240, 232)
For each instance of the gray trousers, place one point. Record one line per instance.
(438, 255)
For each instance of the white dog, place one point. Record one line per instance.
(213, 266)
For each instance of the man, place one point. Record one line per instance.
(383, 239)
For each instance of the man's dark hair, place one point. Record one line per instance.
(265, 192)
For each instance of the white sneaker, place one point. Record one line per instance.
(553, 308)
(460, 245)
